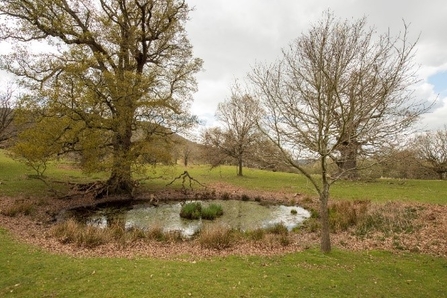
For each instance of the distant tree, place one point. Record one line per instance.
(6, 114)
(187, 150)
(239, 133)
(337, 90)
(431, 147)
(403, 163)
(118, 73)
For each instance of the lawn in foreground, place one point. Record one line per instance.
(29, 272)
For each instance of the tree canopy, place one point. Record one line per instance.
(114, 74)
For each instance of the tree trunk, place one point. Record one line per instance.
(120, 181)
(239, 166)
(325, 244)
(347, 163)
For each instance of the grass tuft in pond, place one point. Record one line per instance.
(212, 212)
(194, 210)
(191, 210)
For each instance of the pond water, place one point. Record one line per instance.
(242, 215)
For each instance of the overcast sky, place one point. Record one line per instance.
(232, 35)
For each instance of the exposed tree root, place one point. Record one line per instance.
(185, 175)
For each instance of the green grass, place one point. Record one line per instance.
(28, 272)
(380, 190)
(16, 179)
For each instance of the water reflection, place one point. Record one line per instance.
(242, 215)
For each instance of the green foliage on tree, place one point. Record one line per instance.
(118, 77)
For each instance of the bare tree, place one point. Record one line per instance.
(239, 133)
(431, 147)
(6, 114)
(337, 91)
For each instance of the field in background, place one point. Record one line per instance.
(17, 180)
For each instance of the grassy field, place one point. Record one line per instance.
(16, 179)
(27, 271)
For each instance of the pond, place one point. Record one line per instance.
(241, 215)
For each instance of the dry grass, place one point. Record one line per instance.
(391, 218)
(20, 207)
(217, 237)
(346, 214)
(71, 231)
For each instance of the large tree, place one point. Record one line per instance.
(117, 73)
(431, 148)
(238, 135)
(337, 89)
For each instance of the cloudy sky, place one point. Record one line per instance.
(232, 35)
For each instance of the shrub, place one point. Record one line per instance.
(191, 210)
(293, 211)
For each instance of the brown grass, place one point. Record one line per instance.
(217, 237)
(20, 207)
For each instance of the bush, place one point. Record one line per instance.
(191, 210)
